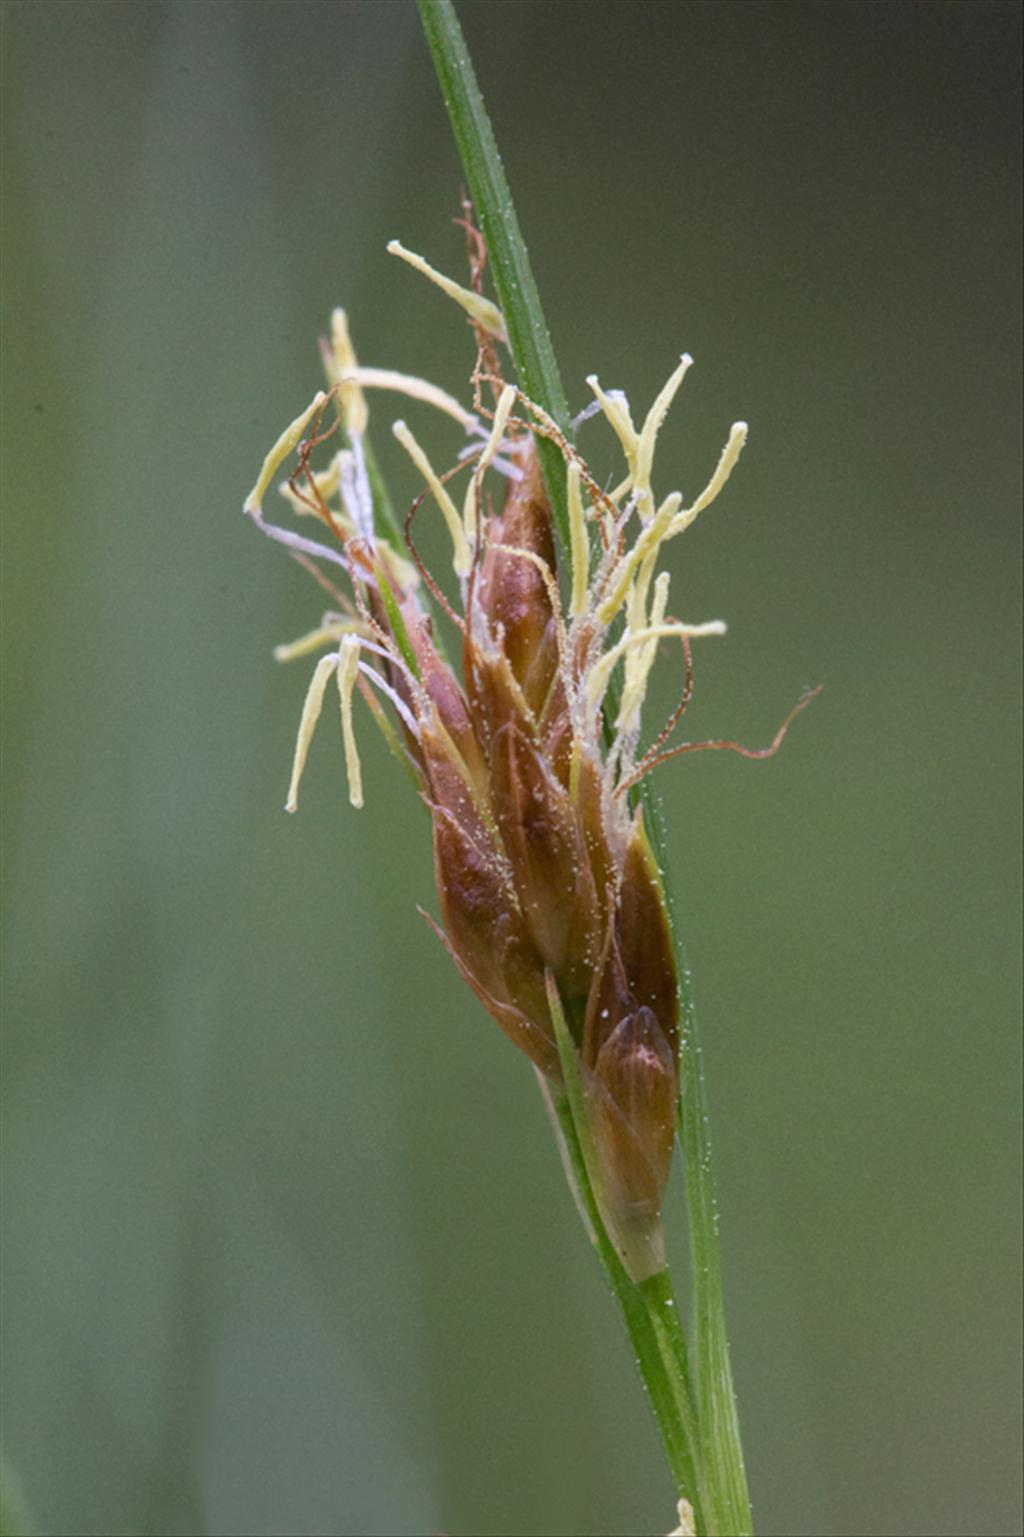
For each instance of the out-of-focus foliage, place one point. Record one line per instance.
(287, 1247)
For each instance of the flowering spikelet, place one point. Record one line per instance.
(526, 757)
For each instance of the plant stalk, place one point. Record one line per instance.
(721, 1451)
(529, 339)
(707, 1437)
(643, 1308)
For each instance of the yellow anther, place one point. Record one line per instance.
(648, 437)
(616, 409)
(416, 389)
(462, 553)
(660, 603)
(668, 521)
(724, 468)
(314, 703)
(481, 311)
(578, 542)
(286, 444)
(502, 412)
(600, 673)
(501, 415)
(651, 536)
(347, 672)
(353, 402)
(323, 635)
(640, 659)
(641, 587)
(636, 609)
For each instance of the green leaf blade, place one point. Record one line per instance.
(529, 338)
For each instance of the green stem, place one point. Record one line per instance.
(663, 1312)
(529, 340)
(666, 1384)
(645, 1306)
(654, 1327)
(721, 1451)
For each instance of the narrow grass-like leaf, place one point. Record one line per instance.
(397, 623)
(721, 1452)
(528, 336)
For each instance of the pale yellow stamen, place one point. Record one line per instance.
(640, 660)
(416, 389)
(501, 415)
(310, 715)
(617, 412)
(724, 468)
(648, 437)
(636, 609)
(353, 403)
(600, 673)
(502, 412)
(653, 534)
(462, 555)
(481, 311)
(323, 635)
(347, 672)
(286, 444)
(638, 604)
(669, 521)
(578, 541)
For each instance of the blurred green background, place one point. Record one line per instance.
(287, 1245)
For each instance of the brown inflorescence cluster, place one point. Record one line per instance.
(551, 902)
